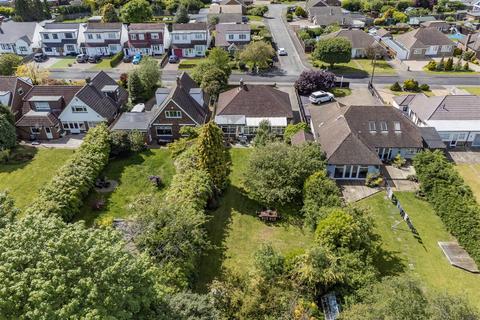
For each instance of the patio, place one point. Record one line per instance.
(355, 190)
(397, 178)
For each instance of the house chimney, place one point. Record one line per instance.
(242, 84)
(179, 83)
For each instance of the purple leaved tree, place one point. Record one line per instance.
(312, 80)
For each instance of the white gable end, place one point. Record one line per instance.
(90, 115)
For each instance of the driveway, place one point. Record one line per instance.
(292, 63)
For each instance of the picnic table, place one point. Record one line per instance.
(269, 215)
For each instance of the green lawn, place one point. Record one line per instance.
(63, 63)
(420, 257)
(341, 92)
(471, 174)
(237, 233)
(190, 63)
(102, 65)
(78, 20)
(255, 18)
(359, 67)
(472, 90)
(132, 175)
(25, 179)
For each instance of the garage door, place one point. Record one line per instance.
(476, 140)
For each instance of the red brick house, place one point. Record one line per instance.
(12, 89)
(147, 38)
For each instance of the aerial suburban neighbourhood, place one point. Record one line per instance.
(240, 159)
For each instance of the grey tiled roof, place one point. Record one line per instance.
(11, 31)
(423, 38)
(133, 121)
(358, 38)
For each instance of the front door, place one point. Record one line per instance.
(453, 142)
(48, 133)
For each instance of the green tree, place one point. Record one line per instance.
(5, 111)
(292, 129)
(192, 306)
(276, 173)
(73, 272)
(135, 87)
(219, 58)
(258, 54)
(447, 307)
(264, 134)
(213, 81)
(109, 13)
(333, 50)
(136, 11)
(182, 15)
(9, 63)
(269, 263)
(8, 136)
(300, 12)
(8, 212)
(399, 17)
(212, 155)
(136, 140)
(449, 64)
(352, 5)
(319, 193)
(150, 75)
(119, 142)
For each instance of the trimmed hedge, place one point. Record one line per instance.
(116, 59)
(64, 194)
(451, 198)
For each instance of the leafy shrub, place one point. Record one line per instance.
(8, 136)
(441, 65)
(300, 12)
(424, 87)
(449, 64)
(258, 11)
(457, 52)
(116, 59)
(136, 140)
(7, 11)
(374, 180)
(411, 85)
(289, 17)
(313, 80)
(63, 194)
(292, 129)
(119, 143)
(468, 55)
(432, 66)
(396, 87)
(451, 198)
(466, 67)
(399, 161)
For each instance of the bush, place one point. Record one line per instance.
(300, 12)
(7, 11)
(457, 52)
(432, 66)
(292, 129)
(441, 65)
(119, 143)
(396, 87)
(137, 141)
(8, 136)
(116, 59)
(468, 55)
(374, 180)
(64, 193)
(314, 80)
(398, 161)
(258, 11)
(289, 17)
(449, 64)
(451, 198)
(424, 87)
(466, 67)
(410, 85)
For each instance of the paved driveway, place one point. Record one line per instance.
(462, 156)
(290, 64)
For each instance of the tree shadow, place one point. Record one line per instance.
(389, 263)
(19, 157)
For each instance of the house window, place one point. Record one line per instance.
(46, 36)
(141, 36)
(155, 36)
(111, 36)
(175, 114)
(445, 136)
(90, 36)
(133, 36)
(396, 126)
(55, 36)
(79, 109)
(371, 126)
(199, 48)
(176, 37)
(164, 130)
(47, 49)
(5, 46)
(70, 47)
(242, 36)
(98, 35)
(198, 36)
(184, 37)
(383, 126)
(417, 51)
(230, 37)
(68, 35)
(446, 48)
(42, 106)
(34, 130)
(65, 126)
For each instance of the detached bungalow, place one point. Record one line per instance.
(360, 40)
(240, 110)
(19, 37)
(357, 139)
(455, 117)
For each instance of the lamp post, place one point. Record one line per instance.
(374, 60)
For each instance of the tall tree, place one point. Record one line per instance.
(182, 15)
(5, 111)
(135, 87)
(61, 271)
(149, 73)
(219, 58)
(213, 81)
(109, 13)
(9, 62)
(333, 50)
(213, 157)
(258, 54)
(136, 11)
(8, 136)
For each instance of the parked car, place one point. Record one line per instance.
(282, 52)
(137, 58)
(320, 96)
(82, 58)
(40, 57)
(291, 9)
(94, 59)
(173, 59)
(245, 19)
(127, 59)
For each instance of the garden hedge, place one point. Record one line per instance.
(63, 195)
(451, 198)
(116, 59)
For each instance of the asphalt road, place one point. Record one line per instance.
(290, 64)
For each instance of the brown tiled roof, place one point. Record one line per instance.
(8, 83)
(358, 38)
(300, 137)
(343, 132)
(38, 119)
(223, 28)
(255, 101)
(189, 26)
(67, 92)
(229, 18)
(92, 95)
(423, 38)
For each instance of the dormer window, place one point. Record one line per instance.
(383, 126)
(396, 126)
(68, 35)
(42, 106)
(371, 126)
(173, 114)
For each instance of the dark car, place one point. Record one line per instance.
(244, 19)
(82, 58)
(94, 59)
(40, 57)
(127, 59)
(173, 59)
(291, 9)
